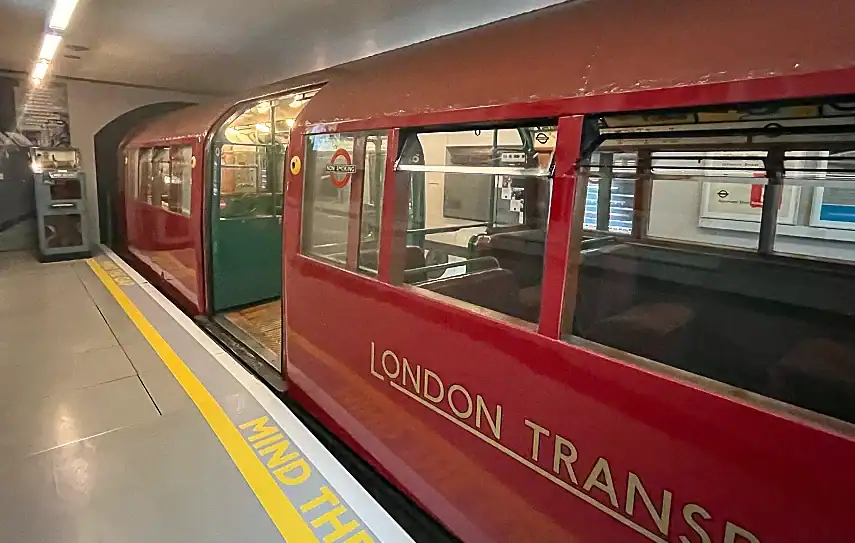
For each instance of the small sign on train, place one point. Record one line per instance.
(340, 168)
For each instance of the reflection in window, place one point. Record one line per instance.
(326, 195)
(181, 179)
(483, 207)
(372, 198)
(165, 177)
(146, 190)
(253, 146)
(707, 283)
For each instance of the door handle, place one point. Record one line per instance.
(58, 206)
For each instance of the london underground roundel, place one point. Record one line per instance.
(340, 168)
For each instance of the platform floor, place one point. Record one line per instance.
(120, 421)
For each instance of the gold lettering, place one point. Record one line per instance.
(292, 480)
(465, 414)
(416, 379)
(689, 512)
(361, 537)
(535, 443)
(373, 359)
(495, 423)
(607, 485)
(567, 457)
(279, 457)
(390, 354)
(339, 530)
(663, 518)
(732, 532)
(426, 393)
(326, 496)
(259, 426)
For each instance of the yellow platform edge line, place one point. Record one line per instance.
(281, 510)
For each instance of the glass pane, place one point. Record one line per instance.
(160, 178)
(65, 189)
(479, 237)
(63, 231)
(146, 192)
(245, 189)
(326, 195)
(690, 291)
(251, 127)
(372, 198)
(55, 159)
(181, 179)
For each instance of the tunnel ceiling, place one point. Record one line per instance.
(221, 47)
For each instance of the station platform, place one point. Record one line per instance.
(121, 421)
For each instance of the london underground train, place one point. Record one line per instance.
(586, 274)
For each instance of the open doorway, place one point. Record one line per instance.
(107, 166)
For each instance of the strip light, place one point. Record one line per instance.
(40, 71)
(59, 19)
(61, 15)
(50, 43)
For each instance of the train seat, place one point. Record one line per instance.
(657, 330)
(818, 373)
(494, 289)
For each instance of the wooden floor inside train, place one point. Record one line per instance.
(259, 327)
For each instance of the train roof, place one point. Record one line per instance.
(197, 120)
(596, 48)
(581, 48)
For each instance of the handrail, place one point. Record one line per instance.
(446, 229)
(449, 265)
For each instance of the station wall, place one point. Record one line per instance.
(91, 106)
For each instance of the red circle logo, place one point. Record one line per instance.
(340, 168)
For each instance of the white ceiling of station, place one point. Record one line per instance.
(225, 46)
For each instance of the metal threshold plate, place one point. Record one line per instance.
(259, 328)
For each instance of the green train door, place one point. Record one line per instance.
(246, 208)
(246, 225)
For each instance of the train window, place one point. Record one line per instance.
(180, 179)
(160, 177)
(252, 148)
(326, 196)
(372, 197)
(245, 188)
(132, 157)
(478, 208)
(146, 188)
(736, 263)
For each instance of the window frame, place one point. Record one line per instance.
(356, 186)
(399, 200)
(136, 165)
(774, 183)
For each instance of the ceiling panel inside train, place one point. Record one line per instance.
(220, 47)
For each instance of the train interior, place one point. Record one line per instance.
(479, 230)
(246, 222)
(683, 257)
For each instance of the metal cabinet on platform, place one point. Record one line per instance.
(60, 189)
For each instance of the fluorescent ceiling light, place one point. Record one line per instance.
(40, 71)
(62, 11)
(290, 123)
(262, 127)
(50, 43)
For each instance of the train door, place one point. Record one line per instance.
(246, 223)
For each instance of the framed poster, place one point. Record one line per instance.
(744, 202)
(833, 207)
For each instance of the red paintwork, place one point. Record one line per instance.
(779, 477)
(185, 239)
(167, 246)
(603, 51)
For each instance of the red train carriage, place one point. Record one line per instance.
(602, 289)
(203, 210)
